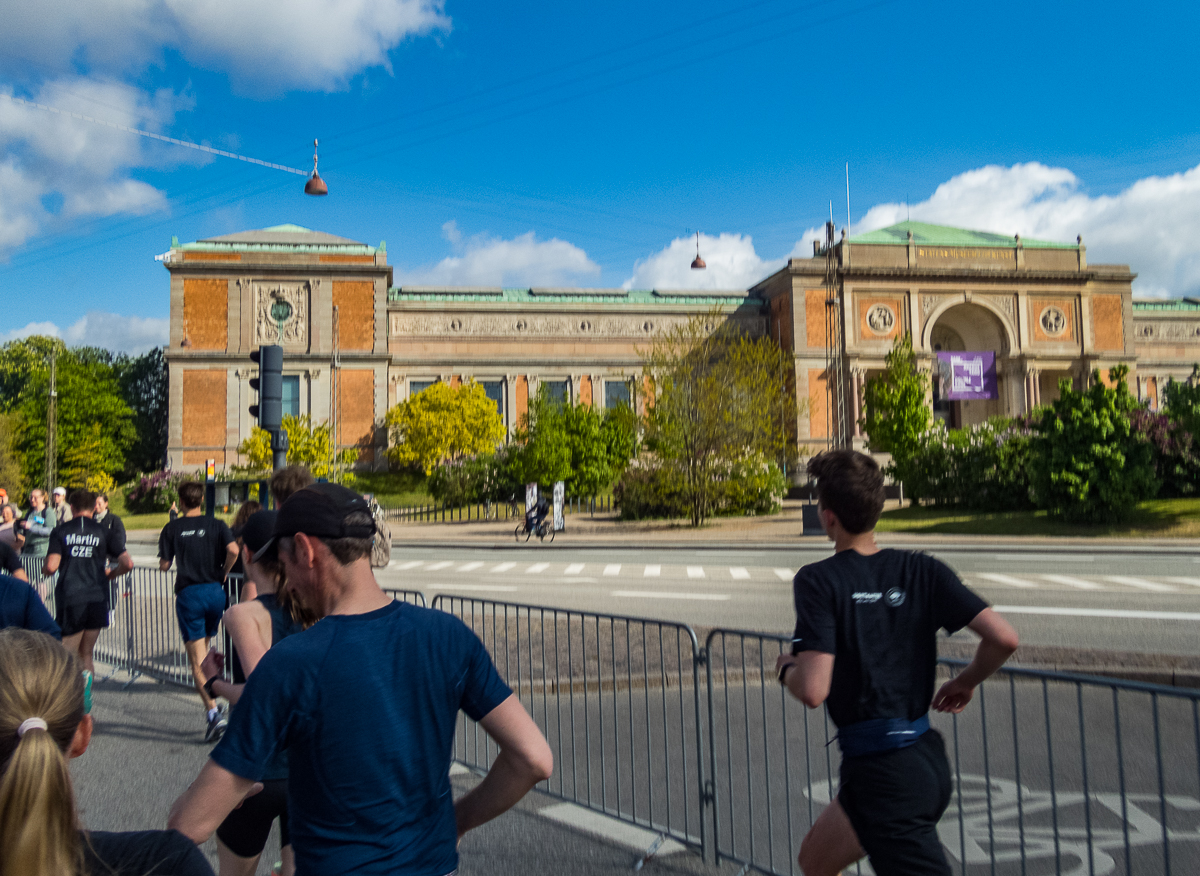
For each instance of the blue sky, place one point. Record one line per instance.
(549, 143)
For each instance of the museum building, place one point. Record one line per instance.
(997, 320)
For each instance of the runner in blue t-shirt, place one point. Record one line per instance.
(365, 702)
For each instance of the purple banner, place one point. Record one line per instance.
(968, 375)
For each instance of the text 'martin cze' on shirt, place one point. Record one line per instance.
(84, 546)
(879, 616)
(366, 706)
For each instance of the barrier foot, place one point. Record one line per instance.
(134, 675)
(649, 853)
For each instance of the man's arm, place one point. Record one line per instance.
(124, 566)
(524, 760)
(50, 566)
(203, 806)
(997, 642)
(231, 555)
(808, 676)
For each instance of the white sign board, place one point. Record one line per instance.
(530, 498)
(559, 494)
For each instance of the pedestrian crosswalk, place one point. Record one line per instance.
(993, 581)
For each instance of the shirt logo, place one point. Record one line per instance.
(894, 597)
(866, 597)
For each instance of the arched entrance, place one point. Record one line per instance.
(975, 328)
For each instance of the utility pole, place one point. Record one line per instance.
(837, 433)
(52, 425)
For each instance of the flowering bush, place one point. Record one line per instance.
(1176, 461)
(155, 492)
(984, 467)
(649, 488)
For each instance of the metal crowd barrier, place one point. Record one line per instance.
(413, 597)
(618, 698)
(1052, 773)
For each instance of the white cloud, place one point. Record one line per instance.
(57, 168)
(264, 46)
(1152, 226)
(127, 334)
(492, 261)
(731, 259)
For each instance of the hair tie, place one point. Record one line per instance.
(31, 724)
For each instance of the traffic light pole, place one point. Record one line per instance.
(269, 410)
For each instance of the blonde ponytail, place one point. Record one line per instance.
(38, 829)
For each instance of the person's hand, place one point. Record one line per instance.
(953, 697)
(214, 663)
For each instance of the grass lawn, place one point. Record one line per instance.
(393, 488)
(1161, 518)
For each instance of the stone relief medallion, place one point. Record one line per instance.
(276, 303)
(1053, 321)
(456, 325)
(881, 319)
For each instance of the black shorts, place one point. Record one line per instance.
(75, 618)
(245, 830)
(894, 801)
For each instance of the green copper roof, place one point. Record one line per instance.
(572, 296)
(1159, 304)
(278, 238)
(925, 234)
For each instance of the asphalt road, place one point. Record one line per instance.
(1121, 600)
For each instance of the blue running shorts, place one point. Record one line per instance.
(199, 608)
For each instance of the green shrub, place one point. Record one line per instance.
(155, 493)
(1089, 463)
(651, 488)
(647, 489)
(753, 486)
(984, 467)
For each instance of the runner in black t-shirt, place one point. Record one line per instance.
(79, 551)
(865, 644)
(203, 550)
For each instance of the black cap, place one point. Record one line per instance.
(319, 511)
(258, 529)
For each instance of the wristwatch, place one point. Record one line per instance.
(208, 687)
(783, 673)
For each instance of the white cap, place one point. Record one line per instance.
(60, 491)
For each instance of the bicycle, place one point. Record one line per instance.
(541, 530)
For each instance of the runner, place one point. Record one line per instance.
(205, 551)
(866, 642)
(255, 626)
(79, 551)
(42, 726)
(60, 506)
(36, 525)
(366, 704)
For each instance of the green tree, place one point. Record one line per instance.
(308, 445)
(1181, 402)
(95, 425)
(441, 423)
(719, 397)
(1089, 464)
(541, 454)
(11, 477)
(144, 386)
(896, 408)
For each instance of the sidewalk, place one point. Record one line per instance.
(781, 531)
(148, 746)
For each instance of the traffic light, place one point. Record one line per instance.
(269, 410)
(269, 384)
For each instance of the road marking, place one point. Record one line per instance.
(490, 588)
(1191, 582)
(433, 567)
(469, 567)
(695, 571)
(1006, 579)
(636, 838)
(739, 573)
(1099, 612)
(785, 574)
(574, 569)
(652, 572)
(503, 567)
(1140, 583)
(671, 594)
(614, 569)
(1072, 582)
(1042, 558)
(412, 564)
(537, 567)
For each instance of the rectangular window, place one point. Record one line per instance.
(556, 391)
(495, 391)
(291, 395)
(415, 386)
(616, 392)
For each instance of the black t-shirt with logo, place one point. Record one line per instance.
(879, 616)
(198, 547)
(84, 546)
